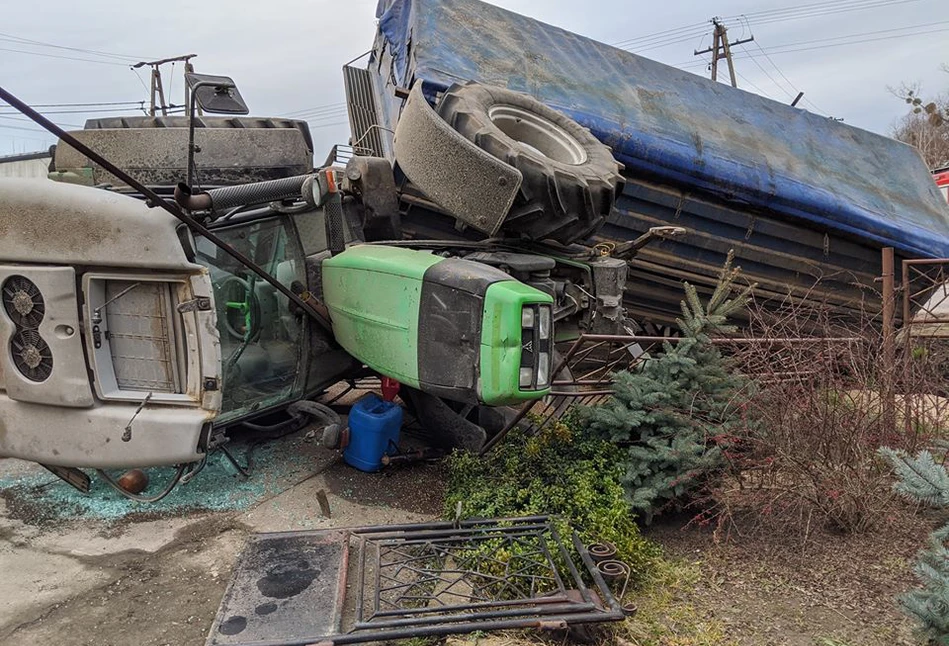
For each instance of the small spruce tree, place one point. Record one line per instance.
(676, 413)
(922, 479)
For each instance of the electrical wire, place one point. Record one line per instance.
(868, 33)
(324, 115)
(40, 43)
(781, 14)
(661, 34)
(797, 47)
(66, 58)
(817, 9)
(146, 499)
(783, 75)
(766, 73)
(25, 129)
(69, 111)
(747, 81)
(59, 123)
(666, 40)
(77, 105)
(685, 39)
(317, 108)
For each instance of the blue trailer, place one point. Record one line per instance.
(805, 202)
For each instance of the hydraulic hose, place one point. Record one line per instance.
(218, 200)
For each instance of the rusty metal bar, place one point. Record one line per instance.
(582, 393)
(925, 261)
(630, 339)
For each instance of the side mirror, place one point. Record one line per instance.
(216, 94)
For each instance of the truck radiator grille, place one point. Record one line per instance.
(141, 336)
(363, 122)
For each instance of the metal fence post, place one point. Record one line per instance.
(889, 341)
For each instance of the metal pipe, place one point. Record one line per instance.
(458, 535)
(453, 629)
(400, 612)
(190, 201)
(474, 616)
(516, 523)
(155, 200)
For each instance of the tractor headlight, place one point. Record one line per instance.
(536, 348)
(543, 322)
(543, 370)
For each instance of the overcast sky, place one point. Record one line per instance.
(285, 55)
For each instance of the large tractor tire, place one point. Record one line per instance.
(202, 122)
(570, 178)
(153, 150)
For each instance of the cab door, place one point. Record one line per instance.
(263, 362)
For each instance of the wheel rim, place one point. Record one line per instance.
(538, 134)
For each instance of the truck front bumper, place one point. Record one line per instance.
(92, 437)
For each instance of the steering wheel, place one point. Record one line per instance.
(248, 308)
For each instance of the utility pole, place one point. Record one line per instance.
(721, 48)
(157, 90)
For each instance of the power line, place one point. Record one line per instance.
(66, 58)
(59, 123)
(685, 39)
(323, 115)
(45, 112)
(766, 73)
(78, 105)
(867, 33)
(659, 34)
(24, 128)
(796, 47)
(813, 10)
(40, 43)
(316, 109)
(783, 75)
(327, 125)
(643, 41)
(748, 82)
(818, 9)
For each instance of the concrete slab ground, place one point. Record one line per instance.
(97, 570)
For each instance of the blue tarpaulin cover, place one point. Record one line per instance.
(678, 127)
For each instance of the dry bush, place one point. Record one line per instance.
(816, 418)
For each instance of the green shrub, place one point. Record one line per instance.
(925, 480)
(676, 414)
(556, 472)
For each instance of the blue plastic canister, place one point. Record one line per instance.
(373, 430)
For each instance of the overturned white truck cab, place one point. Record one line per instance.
(118, 325)
(100, 314)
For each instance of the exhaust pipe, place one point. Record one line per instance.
(218, 200)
